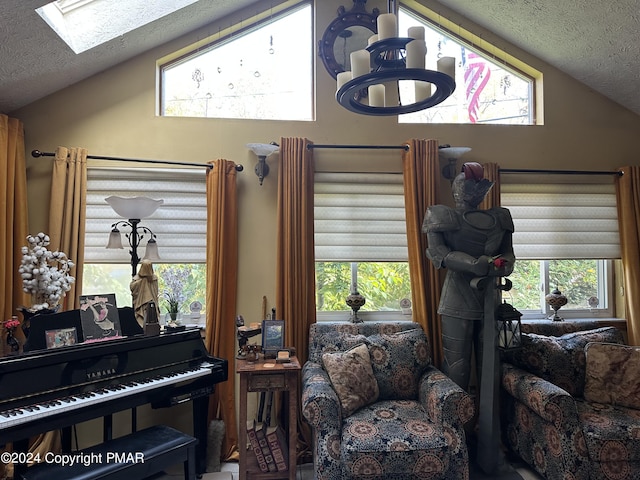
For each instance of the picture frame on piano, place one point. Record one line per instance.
(272, 337)
(61, 337)
(99, 317)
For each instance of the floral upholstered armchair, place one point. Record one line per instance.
(377, 406)
(572, 403)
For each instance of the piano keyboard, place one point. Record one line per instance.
(18, 416)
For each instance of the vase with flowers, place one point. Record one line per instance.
(45, 276)
(174, 279)
(13, 344)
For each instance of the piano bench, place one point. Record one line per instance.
(134, 456)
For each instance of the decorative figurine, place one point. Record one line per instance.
(556, 300)
(475, 246)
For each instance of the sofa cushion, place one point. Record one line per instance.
(560, 360)
(352, 378)
(612, 374)
(612, 434)
(398, 361)
(394, 439)
(332, 341)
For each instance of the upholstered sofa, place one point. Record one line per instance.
(571, 402)
(392, 414)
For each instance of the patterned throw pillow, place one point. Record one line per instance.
(332, 341)
(398, 361)
(561, 360)
(613, 374)
(352, 378)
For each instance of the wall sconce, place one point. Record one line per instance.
(262, 150)
(451, 155)
(509, 327)
(134, 209)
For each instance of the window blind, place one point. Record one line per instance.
(359, 217)
(563, 221)
(180, 223)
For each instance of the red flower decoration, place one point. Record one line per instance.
(499, 262)
(12, 323)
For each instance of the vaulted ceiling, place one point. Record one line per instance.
(595, 42)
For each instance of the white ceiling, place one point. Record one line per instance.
(597, 42)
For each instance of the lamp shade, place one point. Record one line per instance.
(133, 207)
(262, 149)
(151, 252)
(453, 152)
(115, 240)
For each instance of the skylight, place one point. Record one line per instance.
(84, 24)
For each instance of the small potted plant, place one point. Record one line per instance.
(173, 305)
(174, 279)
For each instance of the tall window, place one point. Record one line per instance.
(261, 72)
(360, 242)
(180, 226)
(487, 89)
(566, 238)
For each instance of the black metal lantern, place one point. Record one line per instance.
(508, 326)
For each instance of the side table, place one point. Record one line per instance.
(268, 376)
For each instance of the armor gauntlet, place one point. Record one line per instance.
(462, 262)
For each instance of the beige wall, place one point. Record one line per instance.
(113, 113)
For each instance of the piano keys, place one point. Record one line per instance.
(50, 389)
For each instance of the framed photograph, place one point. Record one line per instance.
(272, 336)
(99, 317)
(61, 337)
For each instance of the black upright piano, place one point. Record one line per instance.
(44, 390)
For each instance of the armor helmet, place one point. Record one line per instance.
(470, 187)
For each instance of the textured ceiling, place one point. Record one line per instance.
(35, 62)
(596, 42)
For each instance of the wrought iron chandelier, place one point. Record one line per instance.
(371, 87)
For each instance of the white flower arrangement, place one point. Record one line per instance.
(45, 274)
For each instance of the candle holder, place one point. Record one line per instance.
(388, 58)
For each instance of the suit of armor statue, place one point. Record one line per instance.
(474, 246)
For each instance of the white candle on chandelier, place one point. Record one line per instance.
(372, 39)
(387, 26)
(391, 94)
(376, 95)
(360, 63)
(416, 51)
(423, 90)
(416, 32)
(447, 65)
(342, 78)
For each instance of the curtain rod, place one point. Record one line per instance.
(38, 153)
(559, 172)
(311, 146)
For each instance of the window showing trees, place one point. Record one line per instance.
(566, 238)
(115, 278)
(360, 242)
(587, 284)
(488, 90)
(180, 226)
(383, 284)
(260, 72)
